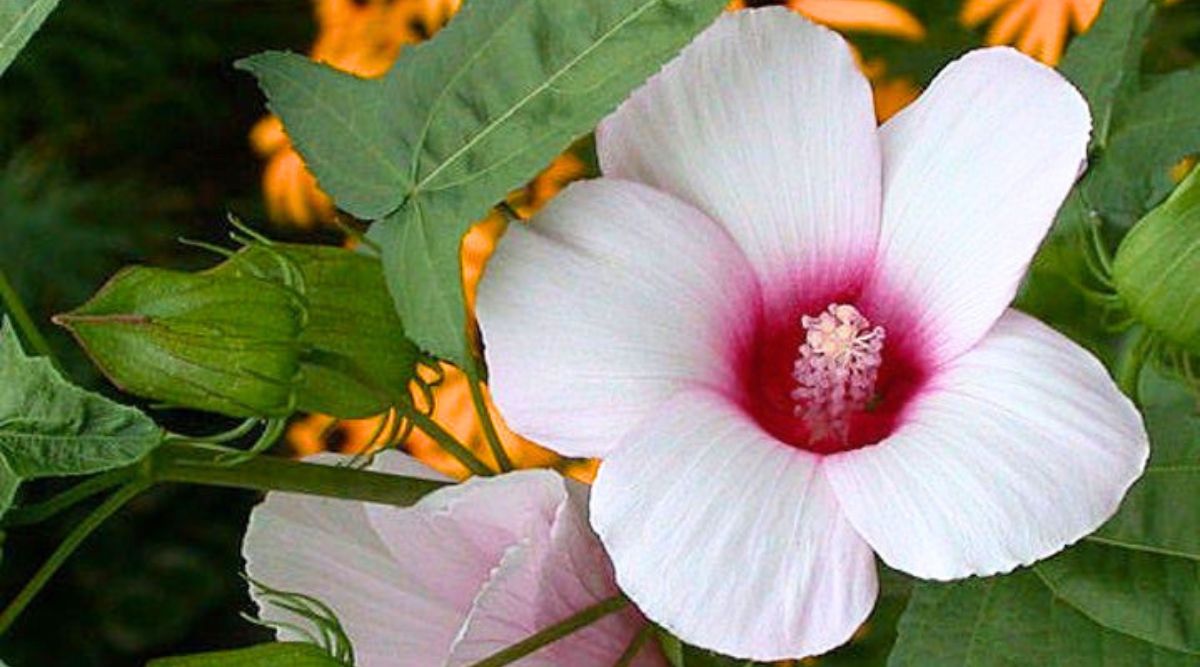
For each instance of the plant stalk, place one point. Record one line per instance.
(68, 546)
(30, 514)
(485, 415)
(554, 633)
(23, 321)
(196, 465)
(447, 441)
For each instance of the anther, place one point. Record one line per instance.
(836, 369)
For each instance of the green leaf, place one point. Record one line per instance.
(1158, 264)
(1157, 515)
(1152, 130)
(471, 115)
(49, 427)
(341, 124)
(1141, 127)
(19, 19)
(1128, 595)
(1105, 60)
(1013, 621)
(421, 263)
(291, 654)
(1153, 598)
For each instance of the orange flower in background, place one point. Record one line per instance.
(289, 188)
(876, 16)
(1037, 27)
(891, 93)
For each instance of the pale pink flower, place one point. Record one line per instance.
(469, 570)
(785, 330)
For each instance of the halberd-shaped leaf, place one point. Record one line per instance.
(459, 122)
(1157, 267)
(49, 427)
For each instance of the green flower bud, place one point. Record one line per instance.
(204, 341)
(356, 360)
(1157, 267)
(273, 329)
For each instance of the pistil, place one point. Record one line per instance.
(836, 370)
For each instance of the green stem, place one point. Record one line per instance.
(635, 646)
(554, 633)
(446, 441)
(14, 306)
(194, 465)
(30, 514)
(1129, 367)
(485, 415)
(205, 464)
(76, 537)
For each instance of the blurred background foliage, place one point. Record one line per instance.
(124, 127)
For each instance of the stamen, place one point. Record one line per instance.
(836, 370)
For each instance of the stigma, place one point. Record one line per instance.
(836, 369)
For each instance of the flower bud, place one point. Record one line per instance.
(1157, 267)
(204, 341)
(273, 329)
(356, 360)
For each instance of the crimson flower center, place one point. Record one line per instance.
(836, 370)
(830, 374)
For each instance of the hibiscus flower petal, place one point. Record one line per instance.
(1018, 448)
(611, 300)
(729, 539)
(461, 532)
(328, 549)
(974, 172)
(765, 124)
(544, 579)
